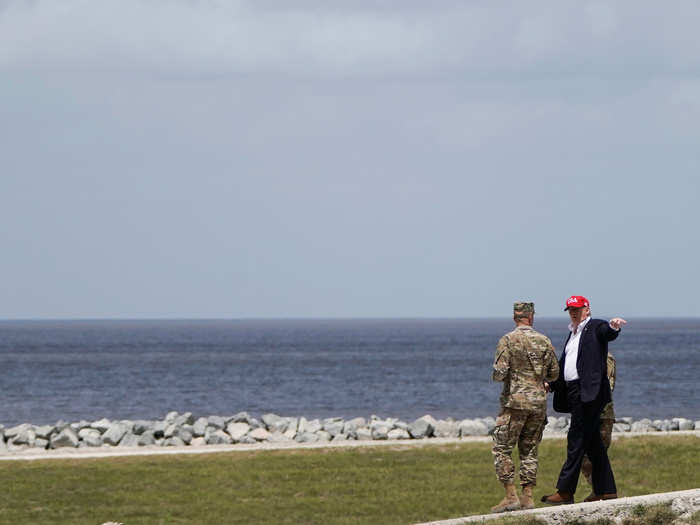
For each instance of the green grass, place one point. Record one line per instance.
(398, 485)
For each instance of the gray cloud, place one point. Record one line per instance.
(366, 38)
(261, 159)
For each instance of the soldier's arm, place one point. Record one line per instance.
(501, 365)
(551, 364)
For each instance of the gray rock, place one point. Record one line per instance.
(562, 422)
(309, 426)
(218, 437)
(79, 425)
(422, 427)
(237, 431)
(65, 438)
(380, 429)
(159, 429)
(254, 423)
(174, 442)
(291, 431)
(170, 417)
(26, 436)
(101, 424)
(472, 427)
(627, 420)
(333, 426)
(170, 431)
(363, 434)
(217, 422)
(402, 425)
(621, 427)
(92, 439)
(241, 417)
(13, 432)
(663, 425)
(278, 437)
(199, 427)
(60, 425)
(398, 433)
(490, 423)
(350, 427)
(185, 433)
(306, 437)
(41, 443)
(259, 434)
(340, 437)
(89, 432)
(643, 425)
(275, 423)
(11, 447)
(683, 424)
(323, 436)
(184, 419)
(141, 426)
(146, 439)
(447, 429)
(129, 440)
(247, 440)
(114, 434)
(128, 424)
(198, 442)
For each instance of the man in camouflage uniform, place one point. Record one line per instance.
(525, 359)
(607, 420)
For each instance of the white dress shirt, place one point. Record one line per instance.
(570, 372)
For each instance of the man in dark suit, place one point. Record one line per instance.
(583, 390)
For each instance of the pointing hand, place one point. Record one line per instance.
(617, 322)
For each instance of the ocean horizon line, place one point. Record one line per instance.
(329, 318)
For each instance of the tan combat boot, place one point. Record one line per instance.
(509, 502)
(526, 501)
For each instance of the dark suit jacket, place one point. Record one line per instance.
(591, 366)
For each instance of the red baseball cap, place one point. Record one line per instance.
(576, 301)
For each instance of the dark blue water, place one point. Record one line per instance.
(75, 370)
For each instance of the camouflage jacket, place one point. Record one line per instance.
(524, 361)
(608, 411)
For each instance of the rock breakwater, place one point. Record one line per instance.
(185, 429)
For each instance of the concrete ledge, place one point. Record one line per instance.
(683, 502)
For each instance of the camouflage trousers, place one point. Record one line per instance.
(606, 426)
(524, 429)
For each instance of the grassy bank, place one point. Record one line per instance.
(361, 485)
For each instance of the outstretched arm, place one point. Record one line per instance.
(610, 330)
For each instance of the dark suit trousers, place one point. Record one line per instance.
(584, 438)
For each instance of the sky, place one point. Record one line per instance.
(291, 159)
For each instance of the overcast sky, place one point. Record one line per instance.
(348, 159)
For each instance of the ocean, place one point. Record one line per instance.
(405, 368)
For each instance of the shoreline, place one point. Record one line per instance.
(177, 432)
(155, 450)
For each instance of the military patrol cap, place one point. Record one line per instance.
(522, 309)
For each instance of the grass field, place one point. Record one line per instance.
(387, 485)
